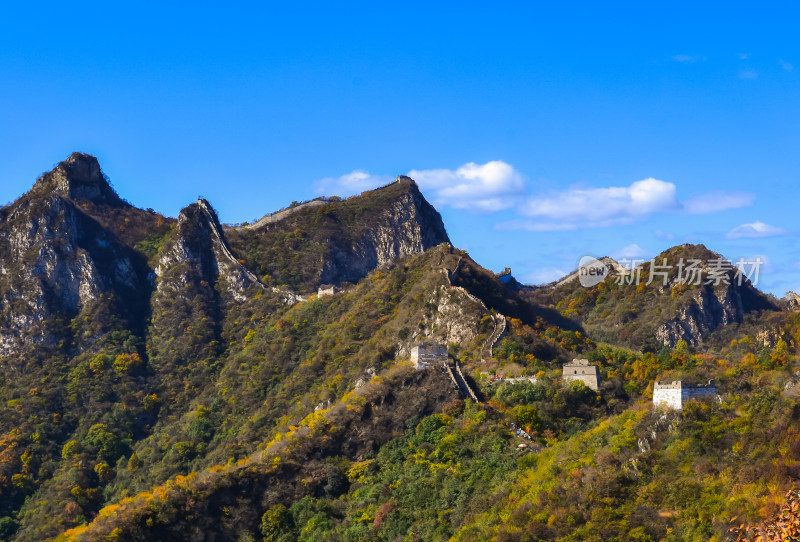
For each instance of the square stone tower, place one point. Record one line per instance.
(581, 369)
(327, 289)
(425, 355)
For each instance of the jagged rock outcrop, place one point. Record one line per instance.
(408, 225)
(708, 310)
(199, 253)
(712, 303)
(197, 277)
(56, 261)
(336, 241)
(78, 177)
(453, 317)
(792, 301)
(690, 294)
(71, 242)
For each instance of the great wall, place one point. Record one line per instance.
(277, 216)
(499, 321)
(289, 297)
(455, 373)
(283, 213)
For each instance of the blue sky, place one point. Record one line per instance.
(542, 133)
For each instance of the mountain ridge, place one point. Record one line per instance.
(648, 306)
(170, 378)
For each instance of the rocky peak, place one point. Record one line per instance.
(334, 240)
(198, 278)
(57, 262)
(404, 224)
(712, 303)
(78, 177)
(790, 301)
(199, 253)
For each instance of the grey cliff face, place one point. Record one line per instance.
(199, 254)
(78, 177)
(408, 226)
(55, 262)
(708, 310)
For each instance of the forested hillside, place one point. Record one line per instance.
(180, 379)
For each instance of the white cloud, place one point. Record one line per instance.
(579, 208)
(496, 186)
(483, 188)
(350, 183)
(488, 187)
(787, 66)
(713, 202)
(532, 225)
(597, 207)
(755, 230)
(748, 74)
(630, 252)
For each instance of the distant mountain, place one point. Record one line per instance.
(681, 302)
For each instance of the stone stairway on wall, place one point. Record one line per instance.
(459, 381)
(499, 321)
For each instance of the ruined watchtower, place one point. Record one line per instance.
(425, 355)
(581, 369)
(327, 289)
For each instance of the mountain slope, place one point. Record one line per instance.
(341, 240)
(58, 261)
(631, 312)
(116, 320)
(174, 379)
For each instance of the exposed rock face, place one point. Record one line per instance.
(55, 261)
(687, 292)
(456, 319)
(713, 303)
(78, 177)
(67, 246)
(768, 338)
(200, 254)
(197, 277)
(709, 309)
(409, 225)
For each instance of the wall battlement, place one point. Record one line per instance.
(674, 394)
